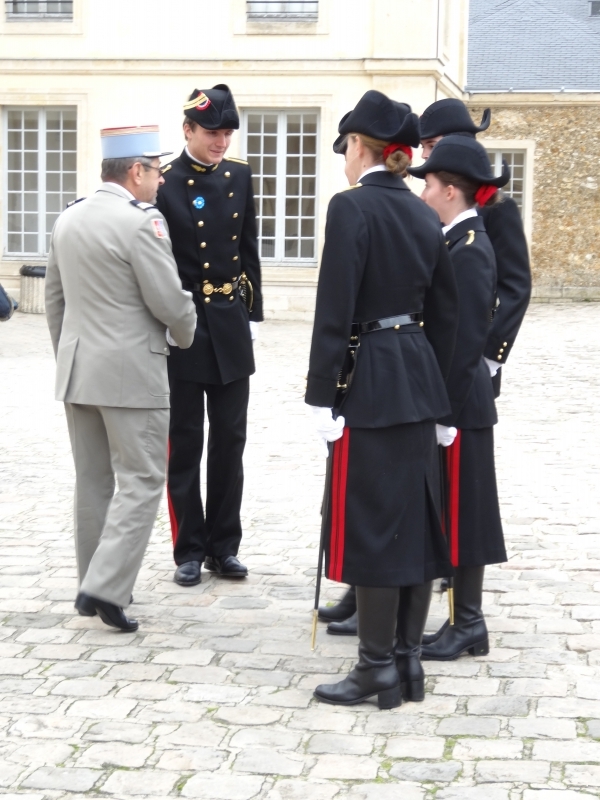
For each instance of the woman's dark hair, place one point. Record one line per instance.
(466, 186)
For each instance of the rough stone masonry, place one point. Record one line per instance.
(212, 698)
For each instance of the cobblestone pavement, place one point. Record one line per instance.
(212, 698)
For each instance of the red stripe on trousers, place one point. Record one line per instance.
(172, 517)
(453, 461)
(338, 507)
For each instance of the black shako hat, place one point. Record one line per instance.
(462, 156)
(451, 116)
(213, 109)
(377, 116)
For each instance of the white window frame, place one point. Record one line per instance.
(271, 10)
(526, 146)
(279, 259)
(40, 14)
(42, 251)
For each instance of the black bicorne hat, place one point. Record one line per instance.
(451, 116)
(379, 117)
(463, 156)
(213, 109)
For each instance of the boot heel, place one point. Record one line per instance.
(390, 698)
(480, 649)
(414, 691)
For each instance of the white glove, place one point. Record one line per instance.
(493, 366)
(253, 330)
(328, 428)
(170, 339)
(445, 436)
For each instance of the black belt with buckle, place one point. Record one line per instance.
(208, 288)
(390, 322)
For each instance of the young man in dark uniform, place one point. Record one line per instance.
(504, 227)
(208, 203)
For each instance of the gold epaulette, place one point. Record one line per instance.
(166, 169)
(237, 160)
(354, 186)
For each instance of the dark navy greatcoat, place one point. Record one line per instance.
(474, 527)
(384, 255)
(212, 223)
(504, 227)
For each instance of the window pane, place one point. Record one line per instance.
(287, 224)
(33, 198)
(254, 162)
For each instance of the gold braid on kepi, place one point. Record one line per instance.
(213, 109)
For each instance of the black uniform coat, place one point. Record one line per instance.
(474, 527)
(384, 255)
(212, 223)
(504, 227)
(469, 384)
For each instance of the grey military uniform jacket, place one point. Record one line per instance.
(112, 289)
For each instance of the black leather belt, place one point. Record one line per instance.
(390, 322)
(208, 288)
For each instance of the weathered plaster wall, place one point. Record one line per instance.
(565, 245)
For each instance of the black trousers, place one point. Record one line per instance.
(219, 532)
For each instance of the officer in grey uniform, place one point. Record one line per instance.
(112, 290)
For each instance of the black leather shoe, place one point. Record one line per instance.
(227, 566)
(348, 627)
(375, 673)
(85, 605)
(469, 633)
(342, 610)
(109, 613)
(430, 638)
(188, 574)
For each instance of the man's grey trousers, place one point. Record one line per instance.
(112, 529)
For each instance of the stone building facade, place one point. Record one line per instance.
(71, 67)
(561, 140)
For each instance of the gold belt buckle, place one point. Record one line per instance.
(227, 288)
(208, 288)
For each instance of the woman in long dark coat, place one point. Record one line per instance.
(386, 287)
(459, 178)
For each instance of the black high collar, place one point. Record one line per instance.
(461, 229)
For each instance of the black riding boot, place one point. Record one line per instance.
(469, 633)
(412, 616)
(375, 673)
(342, 610)
(430, 638)
(349, 627)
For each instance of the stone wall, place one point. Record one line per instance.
(565, 244)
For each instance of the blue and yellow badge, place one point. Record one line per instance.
(198, 202)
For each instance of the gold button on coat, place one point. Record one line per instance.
(230, 194)
(231, 298)
(233, 238)
(236, 215)
(200, 224)
(202, 244)
(206, 265)
(505, 344)
(228, 174)
(235, 258)
(207, 299)
(190, 182)
(499, 358)
(396, 327)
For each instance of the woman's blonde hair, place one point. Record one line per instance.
(396, 162)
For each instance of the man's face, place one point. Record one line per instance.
(150, 179)
(428, 145)
(207, 146)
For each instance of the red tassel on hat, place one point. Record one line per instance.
(391, 148)
(484, 193)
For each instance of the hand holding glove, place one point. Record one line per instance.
(253, 330)
(170, 339)
(445, 436)
(328, 428)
